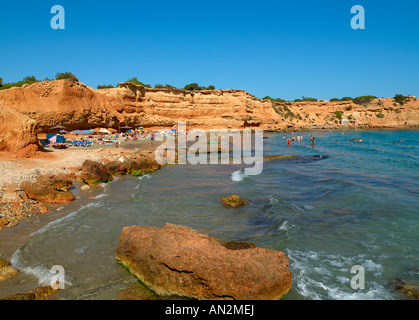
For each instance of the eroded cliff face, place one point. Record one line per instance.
(379, 113)
(17, 134)
(76, 106)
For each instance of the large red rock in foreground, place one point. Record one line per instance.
(177, 260)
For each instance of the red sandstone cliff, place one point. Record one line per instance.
(17, 134)
(77, 106)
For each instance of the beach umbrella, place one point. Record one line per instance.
(63, 131)
(56, 138)
(58, 128)
(103, 130)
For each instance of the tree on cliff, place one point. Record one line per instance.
(105, 86)
(274, 99)
(26, 80)
(160, 86)
(134, 80)
(1, 82)
(194, 86)
(66, 75)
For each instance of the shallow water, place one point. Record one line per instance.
(336, 206)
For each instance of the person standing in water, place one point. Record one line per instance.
(313, 143)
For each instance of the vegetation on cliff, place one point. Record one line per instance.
(342, 99)
(401, 99)
(364, 99)
(66, 75)
(274, 99)
(304, 99)
(195, 87)
(26, 80)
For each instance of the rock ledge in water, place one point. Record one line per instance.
(234, 201)
(177, 260)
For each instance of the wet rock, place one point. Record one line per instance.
(6, 270)
(85, 187)
(234, 201)
(49, 189)
(116, 168)
(3, 222)
(137, 292)
(408, 288)
(37, 294)
(94, 172)
(177, 260)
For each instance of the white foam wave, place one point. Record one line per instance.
(238, 175)
(319, 276)
(81, 250)
(144, 176)
(100, 195)
(65, 219)
(283, 226)
(42, 273)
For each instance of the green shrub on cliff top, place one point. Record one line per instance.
(364, 99)
(66, 75)
(195, 87)
(401, 99)
(105, 86)
(134, 80)
(274, 99)
(26, 80)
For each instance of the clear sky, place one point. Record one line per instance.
(285, 49)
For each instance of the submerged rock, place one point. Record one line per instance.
(49, 189)
(37, 294)
(6, 270)
(408, 288)
(279, 156)
(177, 260)
(234, 201)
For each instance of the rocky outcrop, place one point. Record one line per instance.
(234, 201)
(17, 133)
(49, 189)
(6, 270)
(177, 260)
(94, 172)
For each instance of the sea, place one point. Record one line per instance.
(345, 212)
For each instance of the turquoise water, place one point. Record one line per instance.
(336, 206)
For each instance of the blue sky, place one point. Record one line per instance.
(286, 49)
